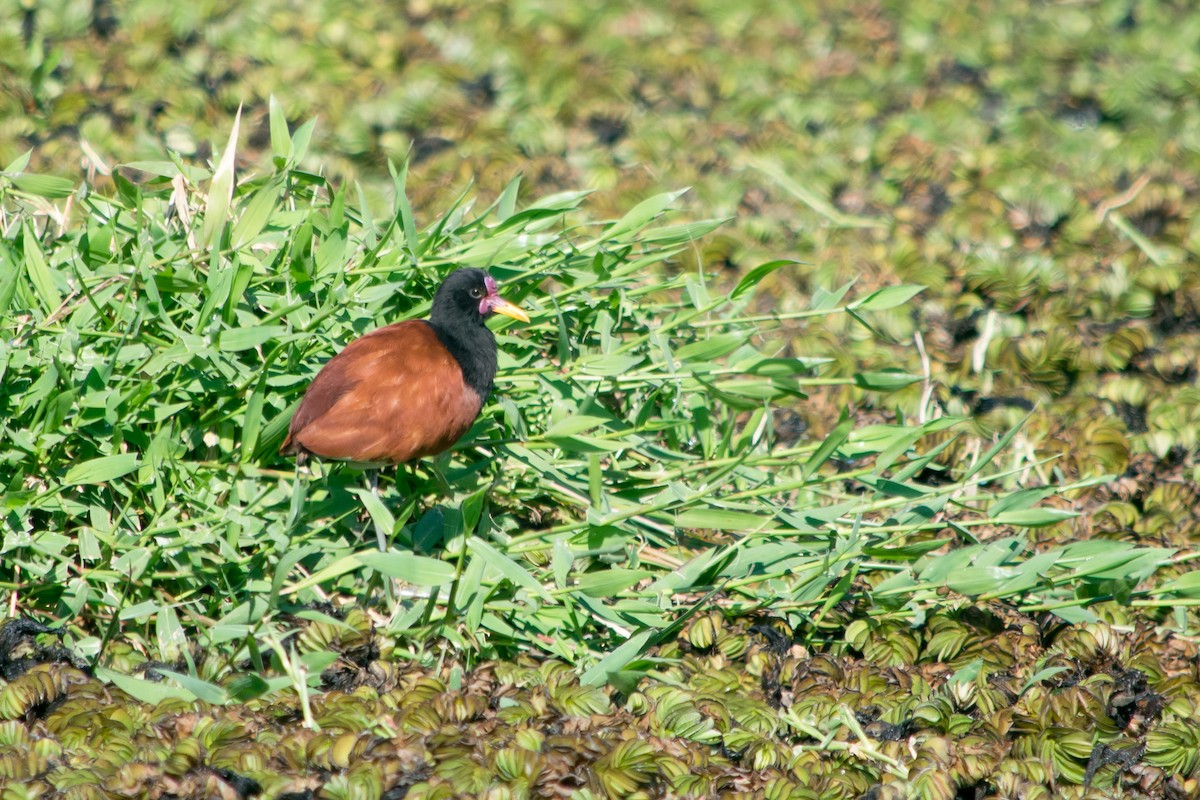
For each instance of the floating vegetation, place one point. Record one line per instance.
(1065, 711)
(752, 513)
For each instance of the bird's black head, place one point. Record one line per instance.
(464, 300)
(468, 296)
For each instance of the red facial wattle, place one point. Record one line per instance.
(493, 302)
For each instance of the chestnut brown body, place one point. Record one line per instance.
(395, 395)
(406, 390)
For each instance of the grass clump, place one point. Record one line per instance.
(628, 473)
(639, 534)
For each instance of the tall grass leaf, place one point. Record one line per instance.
(1075, 615)
(255, 217)
(921, 513)
(252, 419)
(370, 232)
(48, 186)
(836, 438)
(561, 201)
(997, 447)
(637, 217)
(1029, 575)
(887, 380)
(19, 163)
(1105, 560)
(99, 470)
(938, 569)
(531, 220)
(203, 690)
(616, 660)
(331, 256)
(161, 169)
(825, 300)
(1161, 256)
(508, 568)
(316, 615)
(472, 507)
(890, 488)
(144, 691)
(977, 580)
(858, 317)
(403, 210)
(596, 484)
(698, 571)
(609, 582)
(1021, 499)
(720, 519)
(506, 205)
(452, 219)
(772, 555)
(39, 273)
(575, 424)
(281, 138)
(408, 567)
(783, 367)
(1034, 517)
(905, 552)
(746, 393)
(1144, 563)
(609, 365)
(1001, 551)
(139, 611)
(625, 611)
(339, 566)
(901, 583)
(218, 286)
(474, 595)
(248, 686)
(900, 446)
(811, 197)
(683, 233)
(887, 297)
(561, 560)
(272, 435)
(283, 568)
(169, 633)
(316, 662)
(1186, 585)
(233, 340)
(589, 444)
(497, 249)
(755, 276)
(300, 141)
(335, 212)
(697, 291)
(220, 191)
(9, 274)
(710, 348)
(662, 343)
(379, 513)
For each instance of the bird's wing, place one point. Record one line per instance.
(394, 395)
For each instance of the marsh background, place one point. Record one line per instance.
(1033, 166)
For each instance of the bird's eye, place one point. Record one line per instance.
(477, 292)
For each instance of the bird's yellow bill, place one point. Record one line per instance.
(506, 308)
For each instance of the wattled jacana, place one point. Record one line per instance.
(408, 390)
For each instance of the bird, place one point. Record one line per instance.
(407, 390)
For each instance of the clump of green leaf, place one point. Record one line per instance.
(627, 475)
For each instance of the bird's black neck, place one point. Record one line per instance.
(474, 348)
